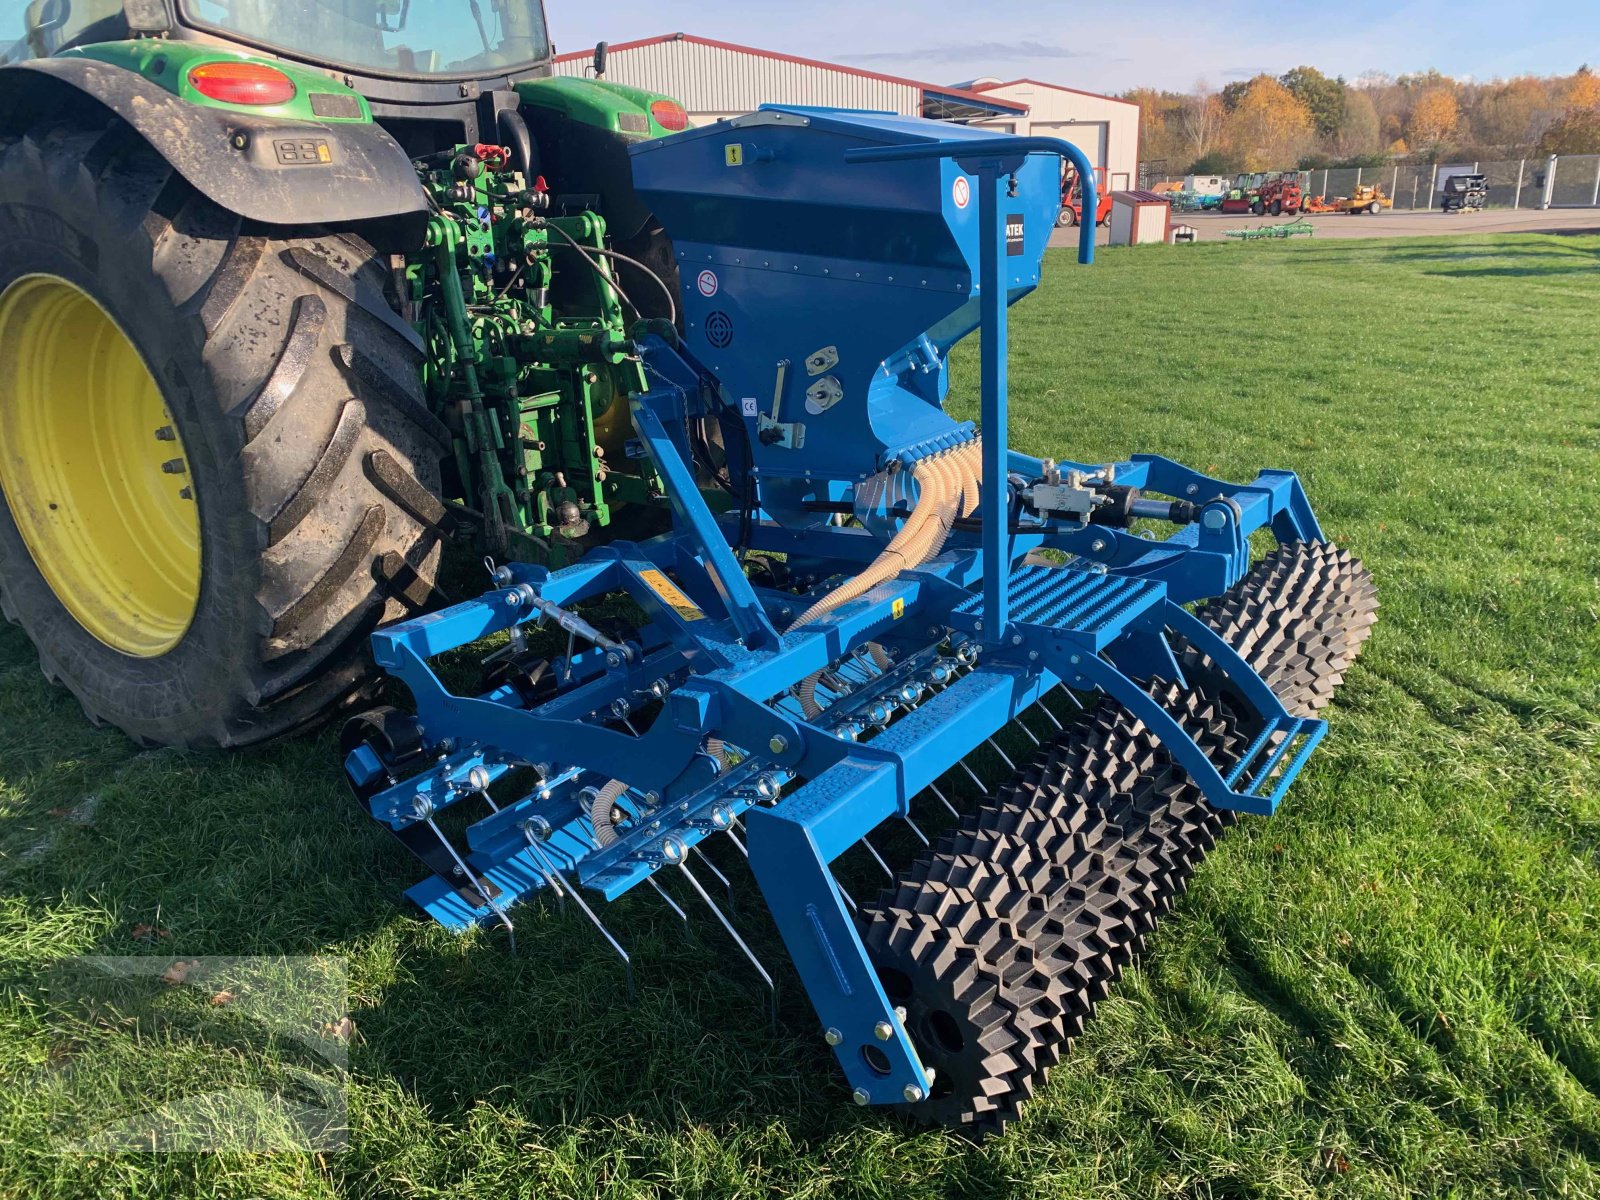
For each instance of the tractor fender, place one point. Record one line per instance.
(253, 166)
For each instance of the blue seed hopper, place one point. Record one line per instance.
(817, 653)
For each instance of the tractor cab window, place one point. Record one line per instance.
(49, 26)
(451, 38)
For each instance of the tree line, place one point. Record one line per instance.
(1305, 119)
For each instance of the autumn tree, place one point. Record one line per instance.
(1576, 131)
(1269, 128)
(1584, 90)
(1360, 132)
(1434, 117)
(1324, 98)
(1510, 116)
(1200, 120)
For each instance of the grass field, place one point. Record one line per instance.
(1391, 989)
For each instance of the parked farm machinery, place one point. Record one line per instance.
(753, 594)
(1464, 193)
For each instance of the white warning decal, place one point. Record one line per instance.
(708, 284)
(961, 193)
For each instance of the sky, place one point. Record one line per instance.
(1113, 47)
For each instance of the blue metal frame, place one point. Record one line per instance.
(981, 636)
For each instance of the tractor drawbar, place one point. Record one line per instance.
(884, 614)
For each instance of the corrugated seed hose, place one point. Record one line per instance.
(600, 811)
(948, 483)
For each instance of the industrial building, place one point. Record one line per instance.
(715, 80)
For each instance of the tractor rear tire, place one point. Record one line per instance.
(294, 414)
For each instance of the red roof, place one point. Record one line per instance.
(1055, 87)
(975, 96)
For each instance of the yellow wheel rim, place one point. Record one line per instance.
(94, 470)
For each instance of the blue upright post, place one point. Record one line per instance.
(996, 330)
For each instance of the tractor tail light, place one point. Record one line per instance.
(242, 83)
(670, 116)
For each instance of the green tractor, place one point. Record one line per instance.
(291, 295)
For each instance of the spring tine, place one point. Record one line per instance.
(1004, 757)
(627, 963)
(1071, 699)
(934, 788)
(551, 879)
(1042, 707)
(873, 850)
(476, 886)
(630, 727)
(728, 925)
(846, 897)
(671, 903)
(1031, 737)
(921, 837)
(727, 884)
(983, 787)
(735, 840)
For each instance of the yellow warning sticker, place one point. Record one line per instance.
(672, 596)
(735, 155)
(898, 608)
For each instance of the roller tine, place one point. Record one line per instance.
(732, 932)
(472, 878)
(951, 808)
(873, 850)
(921, 837)
(671, 903)
(973, 775)
(1004, 757)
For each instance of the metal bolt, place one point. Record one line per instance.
(166, 434)
(883, 1031)
(1098, 545)
(1214, 519)
(1033, 656)
(778, 744)
(900, 1014)
(913, 1093)
(1016, 639)
(652, 799)
(174, 466)
(1191, 489)
(514, 600)
(862, 1097)
(832, 1036)
(1076, 659)
(614, 659)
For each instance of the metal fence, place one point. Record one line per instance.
(1567, 181)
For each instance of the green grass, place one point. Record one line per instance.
(1391, 989)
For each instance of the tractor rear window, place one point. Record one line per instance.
(452, 38)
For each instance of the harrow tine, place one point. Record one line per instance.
(732, 837)
(727, 883)
(921, 837)
(1004, 757)
(511, 930)
(1031, 736)
(1054, 720)
(733, 933)
(671, 903)
(878, 858)
(627, 963)
(951, 808)
(983, 788)
(552, 879)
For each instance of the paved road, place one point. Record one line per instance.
(1212, 226)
